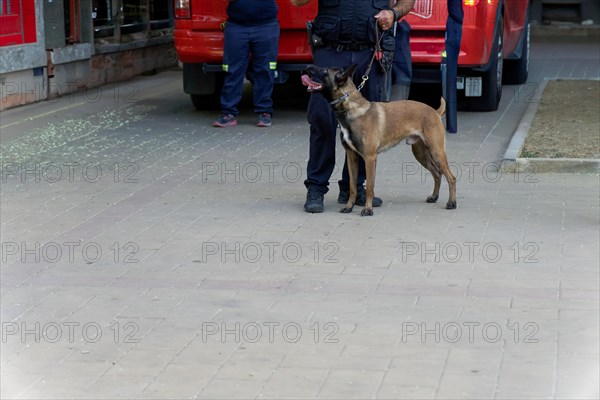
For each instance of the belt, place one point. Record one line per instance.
(350, 46)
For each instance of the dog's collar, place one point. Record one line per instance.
(340, 100)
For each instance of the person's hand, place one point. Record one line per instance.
(299, 3)
(385, 19)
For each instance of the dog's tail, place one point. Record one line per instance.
(442, 108)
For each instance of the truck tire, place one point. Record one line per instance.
(203, 87)
(210, 101)
(491, 80)
(206, 101)
(517, 71)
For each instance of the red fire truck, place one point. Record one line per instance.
(494, 47)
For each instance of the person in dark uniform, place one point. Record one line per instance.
(402, 65)
(251, 29)
(343, 34)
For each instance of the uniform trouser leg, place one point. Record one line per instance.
(399, 92)
(402, 64)
(323, 126)
(264, 41)
(323, 122)
(236, 52)
(322, 142)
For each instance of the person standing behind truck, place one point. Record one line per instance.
(251, 29)
(402, 65)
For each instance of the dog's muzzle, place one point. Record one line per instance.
(311, 86)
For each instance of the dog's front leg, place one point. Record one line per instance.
(370, 166)
(352, 162)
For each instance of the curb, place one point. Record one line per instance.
(511, 162)
(555, 165)
(518, 139)
(568, 30)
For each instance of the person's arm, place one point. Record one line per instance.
(403, 7)
(386, 18)
(299, 3)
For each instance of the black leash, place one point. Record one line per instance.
(377, 50)
(365, 77)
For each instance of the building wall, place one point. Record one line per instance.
(110, 66)
(22, 68)
(53, 66)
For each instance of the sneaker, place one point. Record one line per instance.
(225, 120)
(314, 201)
(361, 198)
(264, 120)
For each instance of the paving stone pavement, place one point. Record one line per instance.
(146, 254)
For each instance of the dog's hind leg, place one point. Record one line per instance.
(442, 162)
(352, 161)
(423, 156)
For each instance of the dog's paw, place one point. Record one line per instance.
(451, 205)
(366, 212)
(432, 199)
(346, 210)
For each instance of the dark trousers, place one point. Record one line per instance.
(402, 65)
(240, 41)
(323, 122)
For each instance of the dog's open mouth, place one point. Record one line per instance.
(311, 86)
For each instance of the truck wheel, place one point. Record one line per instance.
(491, 80)
(210, 101)
(517, 71)
(206, 101)
(203, 87)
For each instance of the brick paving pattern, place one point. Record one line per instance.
(149, 255)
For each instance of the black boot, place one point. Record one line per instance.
(314, 201)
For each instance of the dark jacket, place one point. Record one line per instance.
(252, 12)
(348, 21)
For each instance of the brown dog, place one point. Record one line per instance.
(368, 128)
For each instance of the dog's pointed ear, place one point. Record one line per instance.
(342, 77)
(350, 71)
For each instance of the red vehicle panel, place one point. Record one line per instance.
(199, 39)
(494, 31)
(428, 24)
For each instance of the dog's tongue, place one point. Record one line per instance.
(310, 84)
